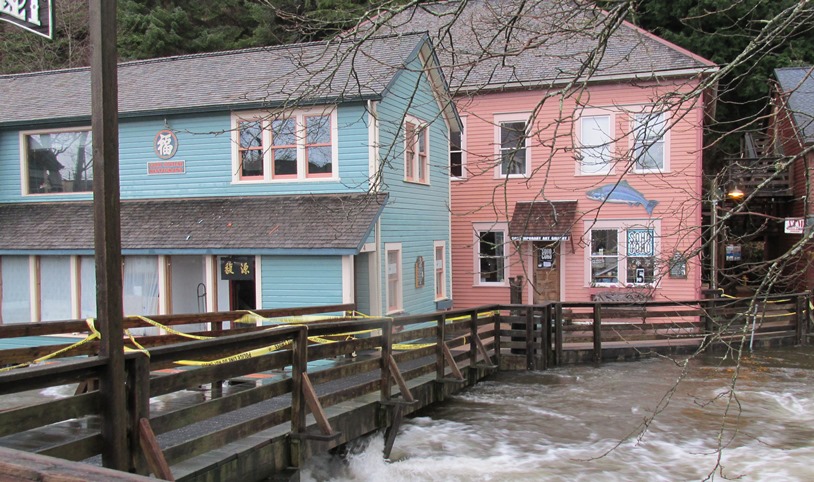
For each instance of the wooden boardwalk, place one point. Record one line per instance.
(256, 401)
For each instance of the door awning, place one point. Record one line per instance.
(542, 221)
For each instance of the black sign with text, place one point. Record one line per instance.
(237, 267)
(36, 16)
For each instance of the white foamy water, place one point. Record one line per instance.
(585, 424)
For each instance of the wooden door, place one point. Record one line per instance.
(546, 272)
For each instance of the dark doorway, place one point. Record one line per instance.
(242, 295)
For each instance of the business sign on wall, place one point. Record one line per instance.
(795, 225)
(36, 16)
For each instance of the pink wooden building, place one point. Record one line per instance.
(579, 167)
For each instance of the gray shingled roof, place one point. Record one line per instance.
(268, 77)
(237, 225)
(549, 42)
(798, 84)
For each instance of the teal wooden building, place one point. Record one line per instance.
(306, 174)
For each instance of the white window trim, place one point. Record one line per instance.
(24, 160)
(443, 246)
(612, 140)
(482, 227)
(621, 227)
(503, 118)
(399, 306)
(420, 124)
(665, 139)
(302, 167)
(463, 153)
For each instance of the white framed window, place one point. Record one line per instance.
(650, 147)
(491, 254)
(512, 143)
(622, 253)
(416, 151)
(394, 277)
(286, 146)
(440, 265)
(58, 161)
(595, 144)
(457, 152)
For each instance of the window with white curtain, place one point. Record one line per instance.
(140, 288)
(16, 295)
(87, 287)
(55, 288)
(595, 145)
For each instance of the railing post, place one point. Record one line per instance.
(439, 347)
(299, 365)
(801, 307)
(496, 316)
(597, 333)
(545, 339)
(530, 338)
(138, 402)
(558, 334)
(473, 333)
(387, 351)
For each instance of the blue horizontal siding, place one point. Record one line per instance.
(301, 281)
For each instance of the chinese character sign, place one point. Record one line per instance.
(165, 143)
(237, 268)
(36, 16)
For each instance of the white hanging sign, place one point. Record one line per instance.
(36, 16)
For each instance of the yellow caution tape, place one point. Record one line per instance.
(93, 336)
(172, 331)
(139, 348)
(411, 346)
(250, 317)
(239, 356)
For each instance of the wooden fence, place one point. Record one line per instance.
(358, 357)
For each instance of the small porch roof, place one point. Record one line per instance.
(335, 224)
(542, 220)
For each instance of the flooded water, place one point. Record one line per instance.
(651, 420)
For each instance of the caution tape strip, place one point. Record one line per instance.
(93, 336)
(172, 331)
(240, 356)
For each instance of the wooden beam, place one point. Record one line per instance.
(312, 400)
(152, 451)
(456, 372)
(394, 371)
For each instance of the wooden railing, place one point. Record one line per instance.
(380, 356)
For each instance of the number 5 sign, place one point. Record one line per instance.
(33, 15)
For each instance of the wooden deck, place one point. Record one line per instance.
(256, 401)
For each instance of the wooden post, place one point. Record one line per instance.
(299, 364)
(138, 398)
(107, 231)
(473, 337)
(497, 337)
(545, 340)
(530, 338)
(558, 334)
(387, 352)
(800, 318)
(439, 347)
(597, 333)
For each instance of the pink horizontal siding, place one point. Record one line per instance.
(482, 198)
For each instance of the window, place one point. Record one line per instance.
(649, 130)
(58, 162)
(491, 256)
(604, 256)
(292, 146)
(621, 254)
(456, 154)
(440, 271)
(595, 145)
(55, 288)
(513, 148)
(416, 151)
(394, 295)
(641, 261)
(15, 289)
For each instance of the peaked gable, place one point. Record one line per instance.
(797, 83)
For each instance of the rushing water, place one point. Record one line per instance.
(586, 423)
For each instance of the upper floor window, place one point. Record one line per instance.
(57, 162)
(513, 149)
(292, 146)
(595, 144)
(416, 151)
(456, 154)
(649, 131)
(491, 254)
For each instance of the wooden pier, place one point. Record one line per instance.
(255, 401)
